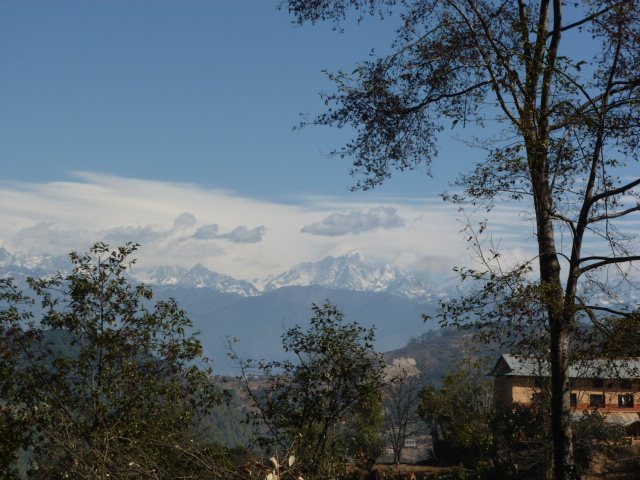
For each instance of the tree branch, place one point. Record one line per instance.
(570, 223)
(617, 191)
(591, 17)
(430, 100)
(606, 309)
(606, 261)
(494, 77)
(614, 215)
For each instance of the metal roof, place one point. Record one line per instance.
(618, 418)
(529, 366)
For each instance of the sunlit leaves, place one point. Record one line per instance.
(107, 381)
(310, 401)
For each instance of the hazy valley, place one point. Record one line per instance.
(257, 313)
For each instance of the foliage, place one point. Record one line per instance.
(557, 132)
(468, 428)
(225, 425)
(619, 337)
(520, 447)
(593, 435)
(364, 438)
(106, 382)
(458, 414)
(310, 405)
(14, 345)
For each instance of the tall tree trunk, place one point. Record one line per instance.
(560, 318)
(563, 463)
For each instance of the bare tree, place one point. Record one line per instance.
(401, 399)
(564, 126)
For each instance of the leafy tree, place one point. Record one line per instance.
(364, 438)
(468, 427)
(225, 425)
(519, 446)
(619, 337)
(593, 435)
(458, 413)
(562, 130)
(310, 405)
(106, 383)
(14, 345)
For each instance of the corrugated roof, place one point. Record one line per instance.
(529, 366)
(617, 418)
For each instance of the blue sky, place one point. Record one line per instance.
(169, 90)
(169, 123)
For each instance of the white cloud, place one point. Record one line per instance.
(206, 232)
(185, 224)
(240, 234)
(356, 222)
(185, 220)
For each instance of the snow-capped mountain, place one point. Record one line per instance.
(201, 277)
(349, 272)
(165, 275)
(222, 307)
(20, 265)
(47, 263)
(198, 276)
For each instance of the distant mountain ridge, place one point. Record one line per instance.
(258, 313)
(198, 276)
(347, 272)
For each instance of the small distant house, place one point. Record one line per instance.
(611, 386)
(410, 443)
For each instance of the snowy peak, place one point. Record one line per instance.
(201, 277)
(23, 265)
(349, 272)
(165, 275)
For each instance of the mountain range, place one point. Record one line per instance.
(258, 312)
(348, 272)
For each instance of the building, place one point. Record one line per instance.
(410, 443)
(611, 386)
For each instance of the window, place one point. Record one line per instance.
(597, 401)
(573, 400)
(625, 400)
(626, 384)
(598, 383)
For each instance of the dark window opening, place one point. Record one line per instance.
(626, 384)
(598, 383)
(573, 400)
(625, 401)
(597, 401)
